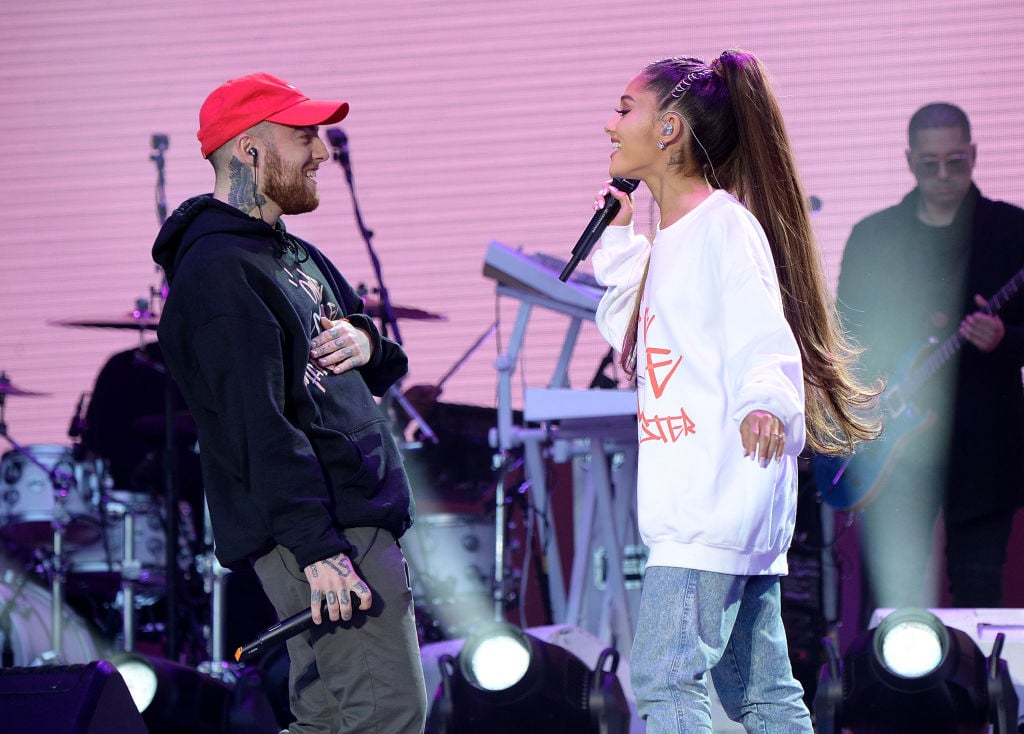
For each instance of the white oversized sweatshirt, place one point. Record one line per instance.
(713, 345)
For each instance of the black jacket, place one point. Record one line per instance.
(291, 454)
(902, 283)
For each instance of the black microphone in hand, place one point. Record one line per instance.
(293, 625)
(597, 225)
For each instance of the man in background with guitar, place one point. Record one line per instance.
(941, 267)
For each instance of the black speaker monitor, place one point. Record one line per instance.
(72, 699)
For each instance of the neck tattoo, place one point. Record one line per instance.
(243, 194)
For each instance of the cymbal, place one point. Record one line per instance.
(8, 388)
(142, 320)
(374, 310)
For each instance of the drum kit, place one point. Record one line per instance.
(64, 520)
(47, 504)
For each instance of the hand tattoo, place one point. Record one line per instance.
(341, 565)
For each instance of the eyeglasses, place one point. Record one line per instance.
(955, 164)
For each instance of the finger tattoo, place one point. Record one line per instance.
(332, 598)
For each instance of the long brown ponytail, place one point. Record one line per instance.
(740, 144)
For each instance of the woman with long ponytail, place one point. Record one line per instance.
(727, 328)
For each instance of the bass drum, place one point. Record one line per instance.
(451, 565)
(26, 626)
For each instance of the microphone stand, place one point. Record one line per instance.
(387, 313)
(160, 143)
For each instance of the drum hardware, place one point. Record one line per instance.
(129, 560)
(134, 555)
(57, 589)
(63, 483)
(214, 585)
(52, 562)
(130, 571)
(144, 318)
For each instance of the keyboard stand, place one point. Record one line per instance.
(510, 436)
(596, 430)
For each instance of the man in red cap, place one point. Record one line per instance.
(279, 366)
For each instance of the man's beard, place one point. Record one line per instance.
(288, 189)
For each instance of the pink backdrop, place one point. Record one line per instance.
(470, 121)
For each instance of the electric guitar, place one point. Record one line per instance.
(852, 482)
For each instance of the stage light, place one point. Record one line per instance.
(497, 662)
(912, 647)
(912, 673)
(173, 698)
(506, 681)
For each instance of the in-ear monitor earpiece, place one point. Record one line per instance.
(253, 152)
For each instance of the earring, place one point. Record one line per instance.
(661, 145)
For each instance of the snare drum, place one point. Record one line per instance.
(102, 561)
(30, 500)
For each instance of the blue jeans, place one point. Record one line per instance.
(692, 622)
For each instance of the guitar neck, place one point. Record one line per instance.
(921, 374)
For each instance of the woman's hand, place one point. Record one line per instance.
(625, 214)
(763, 436)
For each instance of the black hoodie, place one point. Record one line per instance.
(291, 454)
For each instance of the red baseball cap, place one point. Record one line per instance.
(238, 104)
